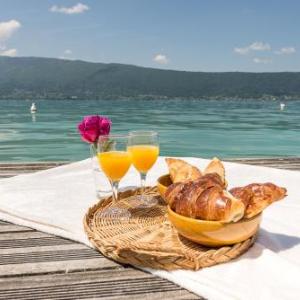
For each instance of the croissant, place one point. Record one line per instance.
(181, 171)
(215, 166)
(205, 199)
(256, 197)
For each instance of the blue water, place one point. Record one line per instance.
(205, 128)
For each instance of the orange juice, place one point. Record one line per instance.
(143, 156)
(114, 164)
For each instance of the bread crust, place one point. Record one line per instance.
(181, 171)
(215, 166)
(257, 196)
(206, 199)
(204, 196)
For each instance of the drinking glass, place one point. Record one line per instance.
(144, 149)
(101, 184)
(115, 161)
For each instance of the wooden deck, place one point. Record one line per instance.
(36, 265)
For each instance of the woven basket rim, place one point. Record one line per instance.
(184, 255)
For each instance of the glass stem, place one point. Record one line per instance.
(115, 186)
(92, 152)
(143, 182)
(94, 160)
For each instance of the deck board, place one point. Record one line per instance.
(292, 163)
(119, 283)
(37, 265)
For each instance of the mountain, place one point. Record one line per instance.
(49, 78)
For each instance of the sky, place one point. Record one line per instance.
(191, 35)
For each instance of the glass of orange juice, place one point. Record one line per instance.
(144, 149)
(114, 161)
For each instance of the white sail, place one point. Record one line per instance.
(33, 108)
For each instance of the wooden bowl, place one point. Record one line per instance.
(162, 184)
(209, 233)
(214, 233)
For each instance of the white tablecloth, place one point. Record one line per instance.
(56, 200)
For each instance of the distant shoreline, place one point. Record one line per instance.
(36, 78)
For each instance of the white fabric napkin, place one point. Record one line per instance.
(56, 200)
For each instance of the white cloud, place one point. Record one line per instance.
(241, 51)
(256, 46)
(260, 46)
(8, 52)
(161, 59)
(286, 50)
(8, 28)
(76, 9)
(68, 52)
(262, 60)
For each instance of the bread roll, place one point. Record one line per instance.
(205, 199)
(256, 197)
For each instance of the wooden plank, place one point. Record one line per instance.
(23, 253)
(63, 266)
(74, 277)
(22, 235)
(111, 283)
(291, 163)
(70, 294)
(29, 165)
(54, 248)
(7, 176)
(13, 169)
(6, 228)
(33, 242)
(44, 256)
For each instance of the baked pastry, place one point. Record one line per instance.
(205, 199)
(256, 197)
(215, 166)
(205, 196)
(181, 171)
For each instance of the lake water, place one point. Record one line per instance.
(230, 128)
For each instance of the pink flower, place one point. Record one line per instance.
(91, 127)
(104, 126)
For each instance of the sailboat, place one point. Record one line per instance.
(282, 106)
(33, 108)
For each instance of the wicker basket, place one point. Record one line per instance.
(148, 239)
